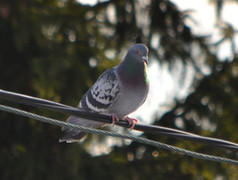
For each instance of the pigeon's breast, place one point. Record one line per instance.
(131, 97)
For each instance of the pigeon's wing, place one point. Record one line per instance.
(103, 93)
(98, 98)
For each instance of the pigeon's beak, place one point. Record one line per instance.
(145, 58)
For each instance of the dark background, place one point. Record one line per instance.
(45, 48)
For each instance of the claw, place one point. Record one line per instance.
(131, 121)
(115, 118)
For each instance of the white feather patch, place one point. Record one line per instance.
(93, 108)
(105, 92)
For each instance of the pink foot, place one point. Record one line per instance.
(131, 121)
(115, 118)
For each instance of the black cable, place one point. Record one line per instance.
(150, 129)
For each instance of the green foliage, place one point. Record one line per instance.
(56, 49)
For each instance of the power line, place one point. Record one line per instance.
(123, 136)
(157, 130)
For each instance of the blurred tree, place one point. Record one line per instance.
(56, 49)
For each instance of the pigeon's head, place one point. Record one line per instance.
(133, 68)
(139, 52)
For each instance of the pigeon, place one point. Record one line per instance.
(118, 92)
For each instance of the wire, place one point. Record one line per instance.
(123, 136)
(157, 130)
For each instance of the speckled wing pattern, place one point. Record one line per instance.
(103, 93)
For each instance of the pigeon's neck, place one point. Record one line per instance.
(133, 72)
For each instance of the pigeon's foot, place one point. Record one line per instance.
(131, 121)
(115, 118)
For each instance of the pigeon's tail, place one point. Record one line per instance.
(73, 135)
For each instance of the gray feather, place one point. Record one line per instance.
(103, 93)
(72, 135)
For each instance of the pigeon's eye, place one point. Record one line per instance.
(137, 52)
